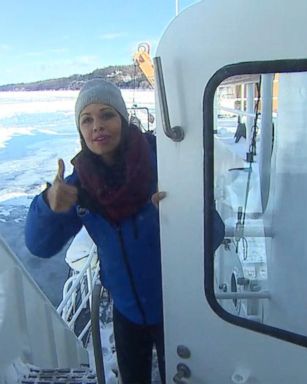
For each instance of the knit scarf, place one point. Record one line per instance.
(119, 191)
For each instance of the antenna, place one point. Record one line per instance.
(177, 7)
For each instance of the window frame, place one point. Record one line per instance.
(244, 68)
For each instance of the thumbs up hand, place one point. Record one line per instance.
(61, 170)
(61, 196)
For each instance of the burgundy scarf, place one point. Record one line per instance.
(116, 200)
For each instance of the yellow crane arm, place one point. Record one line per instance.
(143, 60)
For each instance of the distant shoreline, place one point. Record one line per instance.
(124, 76)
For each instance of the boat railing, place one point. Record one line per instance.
(77, 291)
(31, 331)
(237, 112)
(141, 117)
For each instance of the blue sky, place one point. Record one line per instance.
(43, 39)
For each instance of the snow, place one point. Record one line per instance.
(37, 128)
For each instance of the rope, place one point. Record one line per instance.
(250, 155)
(134, 84)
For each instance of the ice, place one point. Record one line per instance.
(37, 128)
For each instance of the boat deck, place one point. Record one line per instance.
(60, 376)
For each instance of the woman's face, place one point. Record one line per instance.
(101, 127)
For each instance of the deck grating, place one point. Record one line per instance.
(60, 376)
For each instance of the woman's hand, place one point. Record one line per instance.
(157, 197)
(61, 196)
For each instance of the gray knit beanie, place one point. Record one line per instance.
(99, 91)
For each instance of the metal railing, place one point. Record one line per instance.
(77, 292)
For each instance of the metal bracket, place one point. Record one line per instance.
(183, 372)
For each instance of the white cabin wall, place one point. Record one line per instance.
(202, 39)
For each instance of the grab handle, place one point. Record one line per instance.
(175, 133)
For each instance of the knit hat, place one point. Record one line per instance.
(99, 91)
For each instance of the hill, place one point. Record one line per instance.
(124, 76)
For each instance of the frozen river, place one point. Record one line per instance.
(37, 128)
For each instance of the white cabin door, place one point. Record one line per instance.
(235, 80)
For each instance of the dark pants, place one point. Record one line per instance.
(134, 344)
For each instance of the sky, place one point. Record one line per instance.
(44, 39)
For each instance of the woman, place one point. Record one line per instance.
(112, 192)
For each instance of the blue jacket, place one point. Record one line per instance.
(129, 252)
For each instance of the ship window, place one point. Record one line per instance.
(255, 177)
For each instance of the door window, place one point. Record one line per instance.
(255, 175)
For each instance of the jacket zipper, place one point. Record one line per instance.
(130, 274)
(135, 228)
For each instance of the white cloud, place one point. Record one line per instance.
(111, 36)
(35, 54)
(4, 47)
(87, 60)
(56, 51)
